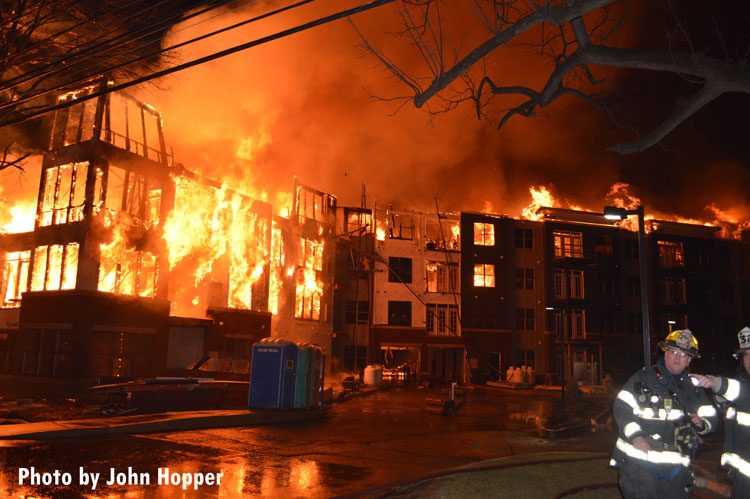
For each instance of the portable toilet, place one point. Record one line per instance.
(273, 374)
(318, 371)
(321, 372)
(303, 391)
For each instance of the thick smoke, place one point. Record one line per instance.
(300, 107)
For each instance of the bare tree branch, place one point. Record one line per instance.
(686, 109)
(580, 61)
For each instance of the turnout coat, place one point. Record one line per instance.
(737, 418)
(657, 405)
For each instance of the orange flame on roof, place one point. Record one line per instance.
(540, 197)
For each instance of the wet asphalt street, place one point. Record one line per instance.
(362, 443)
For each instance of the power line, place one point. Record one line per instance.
(62, 32)
(87, 52)
(156, 52)
(214, 56)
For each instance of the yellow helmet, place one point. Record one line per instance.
(682, 339)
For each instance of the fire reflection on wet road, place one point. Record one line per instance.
(362, 443)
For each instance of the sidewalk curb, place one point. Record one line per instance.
(155, 423)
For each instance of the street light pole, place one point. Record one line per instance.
(615, 213)
(644, 287)
(562, 353)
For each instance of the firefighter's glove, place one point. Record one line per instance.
(686, 438)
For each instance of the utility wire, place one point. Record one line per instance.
(156, 52)
(151, 42)
(62, 32)
(90, 51)
(214, 56)
(33, 12)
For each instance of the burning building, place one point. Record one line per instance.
(135, 264)
(398, 293)
(559, 294)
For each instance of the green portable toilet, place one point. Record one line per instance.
(302, 392)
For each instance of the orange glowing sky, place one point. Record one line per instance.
(298, 107)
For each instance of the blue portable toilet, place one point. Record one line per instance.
(303, 391)
(273, 374)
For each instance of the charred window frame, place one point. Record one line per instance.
(134, 126)
(309, 291)
(63, 194)
(75, 123)
(127, 272)
(442, 234)
(401, 226)
(399, 269)
(15, 277)
(358, 222)
(54, 267)
(484, 275)
(484, 234)
(311, 204)
(132, 193)
(399, 313)
(524, 239)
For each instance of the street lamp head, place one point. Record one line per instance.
(549, 308)
(615, 213)
(671, 322)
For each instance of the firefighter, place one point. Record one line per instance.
(736, 454)
(661, 415)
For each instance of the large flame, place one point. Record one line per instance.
(216, 245)
(540, 197)
(22, 217)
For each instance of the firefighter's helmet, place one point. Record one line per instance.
(744, 338)
(682, 339)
